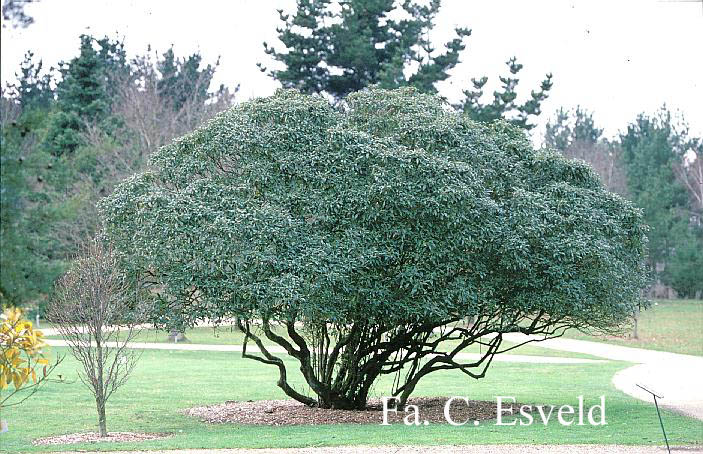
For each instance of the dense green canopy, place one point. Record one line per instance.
(392, 213)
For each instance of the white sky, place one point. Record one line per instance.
(615, 58)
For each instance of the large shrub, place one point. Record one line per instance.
(361, 238)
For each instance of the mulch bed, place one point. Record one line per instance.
(93, 437)
(290, 412)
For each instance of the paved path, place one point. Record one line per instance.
(464, 449)
(675, 377)
(277, 349)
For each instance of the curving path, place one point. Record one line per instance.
(677, 378)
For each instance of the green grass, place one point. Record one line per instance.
(226, 335)
(669, 325)
(166, 381)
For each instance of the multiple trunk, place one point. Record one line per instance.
(340, 363)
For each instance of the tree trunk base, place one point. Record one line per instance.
(176, 337)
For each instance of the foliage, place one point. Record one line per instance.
(64, 148)
(571, 127)
(689, 170)
(360, 44)
(341, 48)
(29, 259)
(183, 80)
(684, 270)
(574, 134)
(95, 311)
(654, 163)
(13, 12)
(33, 89)
(504, 103)
(83, 95)
(651, 155)
(362, 231)
(21, 353)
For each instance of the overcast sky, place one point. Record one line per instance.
(615, 58)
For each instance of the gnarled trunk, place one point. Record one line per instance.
(345, 361)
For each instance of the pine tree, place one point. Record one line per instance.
(650, 147)
(58, 157)
(183, 79)
(344, 47)
(114, 66)
(684, 271)
(32, 88)
(84, 94)
(575, 135)
(339, 52)
(504, 103)
(571, 127)
(27, 268)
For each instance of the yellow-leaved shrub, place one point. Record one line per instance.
(20, 351)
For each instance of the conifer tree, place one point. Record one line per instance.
(33, 89)
(183, 79)
(574, 133)
(83, 96)
(505, 103)
(571, 127)
(337, 48)
(650, 153)
(341, 51)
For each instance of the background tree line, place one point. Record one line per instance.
(70, 134)
(658, 165)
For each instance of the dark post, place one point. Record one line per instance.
(658, 414)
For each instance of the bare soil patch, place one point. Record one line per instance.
(93, 437)
(290, 412)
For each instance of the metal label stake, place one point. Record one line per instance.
(655, 395)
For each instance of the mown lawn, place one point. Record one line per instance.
(669, 325)
(166, 381)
